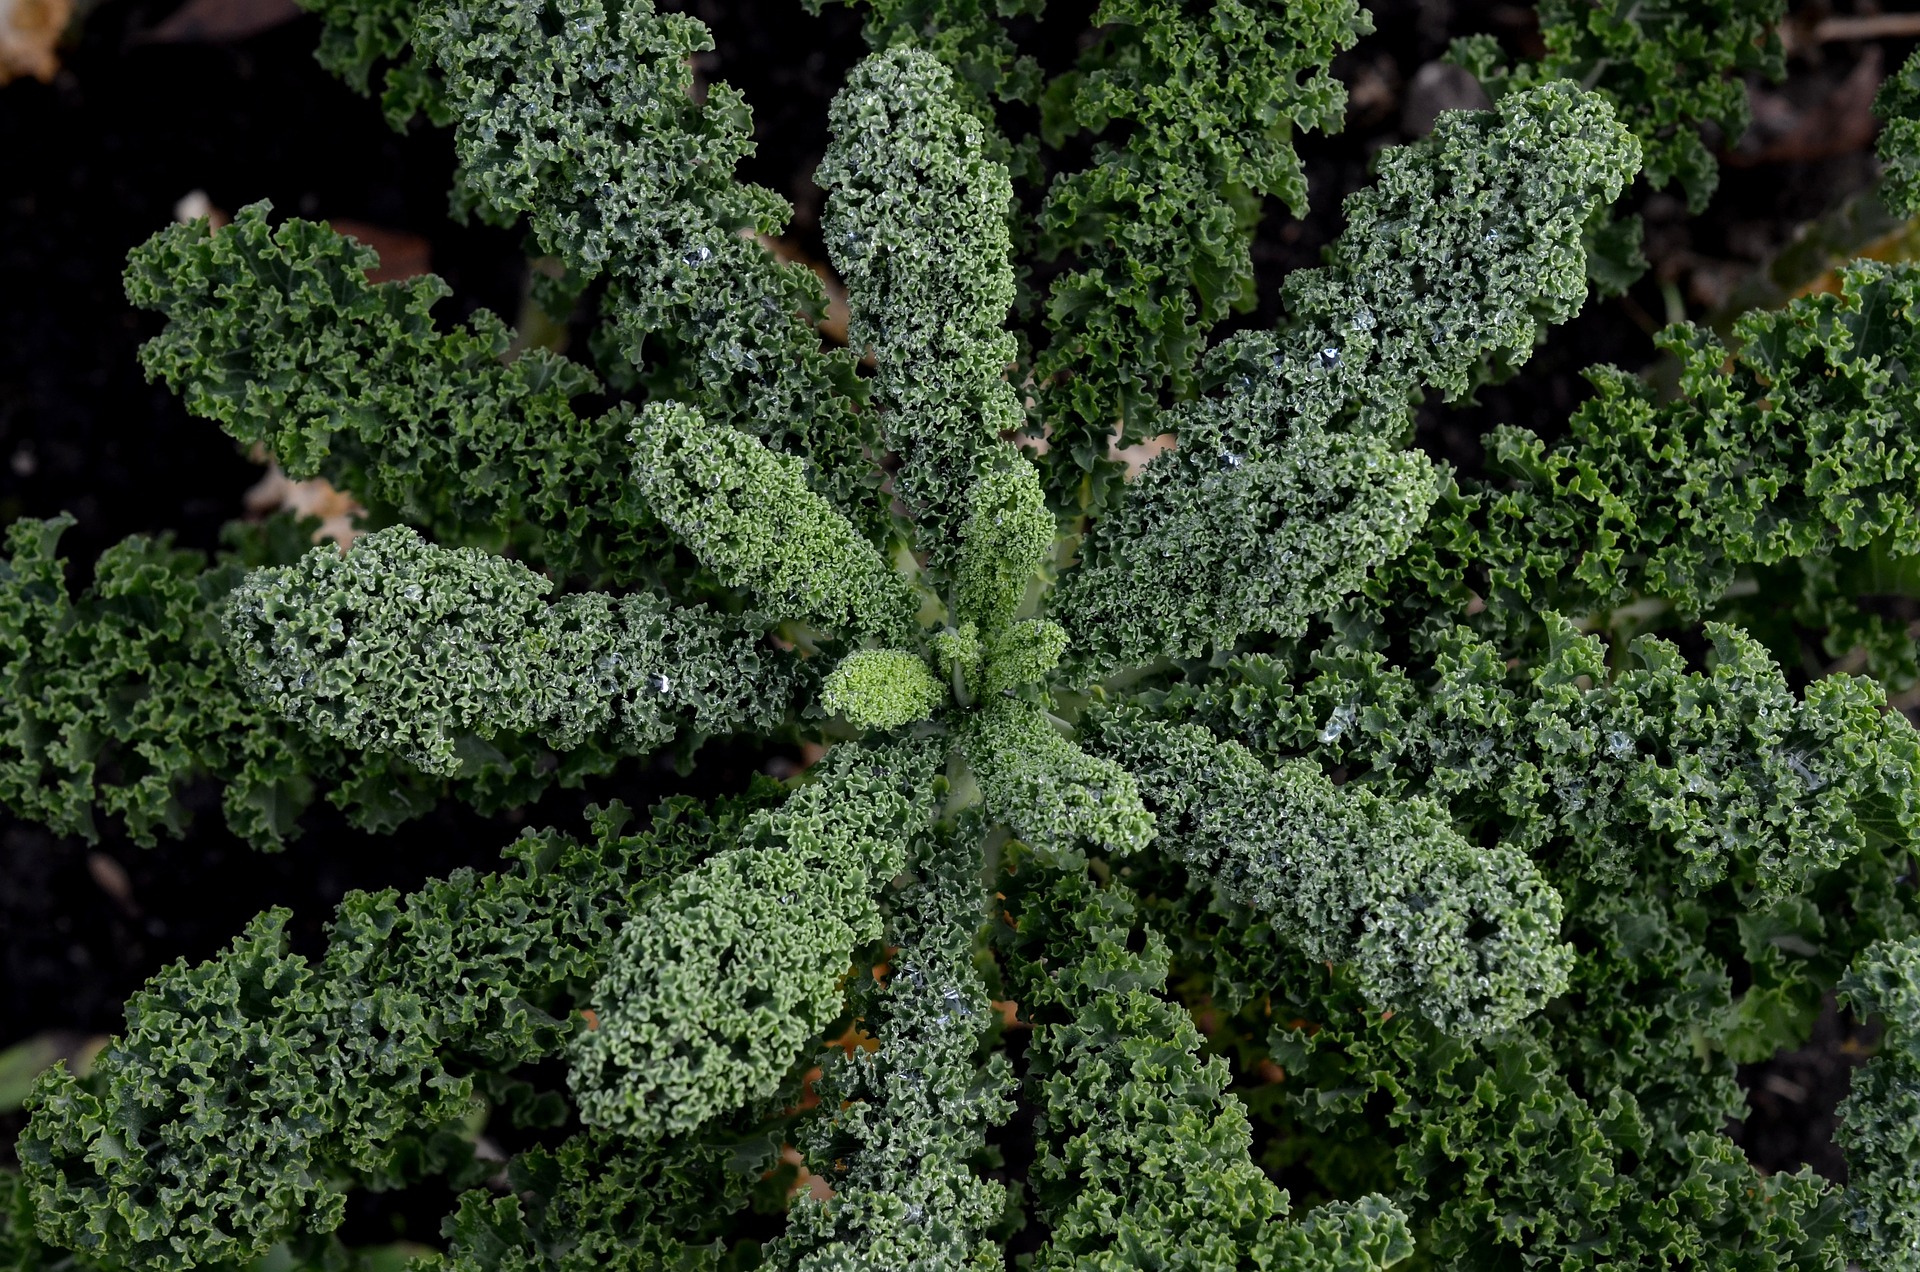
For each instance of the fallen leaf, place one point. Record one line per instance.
(221, 21)
(1806, 29)
(817, 1187)
(311, 498)
(834, 325)
(29, 30)
(402, 254)
(111, 878)
(855, 1039)
(1785, 1087)
(809, 1098)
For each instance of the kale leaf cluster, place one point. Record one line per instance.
(1292, 804)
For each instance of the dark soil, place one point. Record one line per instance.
(95, 162)
(1793, 1096)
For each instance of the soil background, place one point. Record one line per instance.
(137, 118)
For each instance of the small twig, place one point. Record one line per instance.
(1866, 26)
(1798, 36)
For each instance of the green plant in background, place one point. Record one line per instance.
(1675, 72)
(1672, 68)
(1296, 805)
(1898, 105)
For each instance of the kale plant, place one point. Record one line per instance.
(1295, 807)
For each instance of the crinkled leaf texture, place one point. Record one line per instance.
(1142, 1152)
(1791, 442)
(1288, 486)
(115, 699)
(402, 646)
(1196, 109)
(1880, 1118)
(276, 334)
(710, 994)
(1468, 937)
(1673, 69)
(1261, 816)
(247, 1090)
(1898, 105)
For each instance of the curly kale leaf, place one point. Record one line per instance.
(358, 35)
(402, 646)
(904, 1122)
(1508, 1161)
(1465, 246)
(586, 122)
(882, 689)
(116, 699)
(1690, 777)
(1674, 69)
(582, 116)
(245, 1093)
(1788, 444)
(1008, 537)
(1880, 1118)
(1468, 937)
(1143, 1153)
(1898, 106)
(1595, 1131)
(747, 513)
(714, 989)
(1049, 792)
(916, 223)
(1214, 543)
(1160, 226)
(603, 1201)
(711, 996)
(968, 36)
(237, 1094)
(277, 334)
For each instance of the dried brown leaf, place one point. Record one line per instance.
(402, 254)
(29, 32)
(311, 498)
